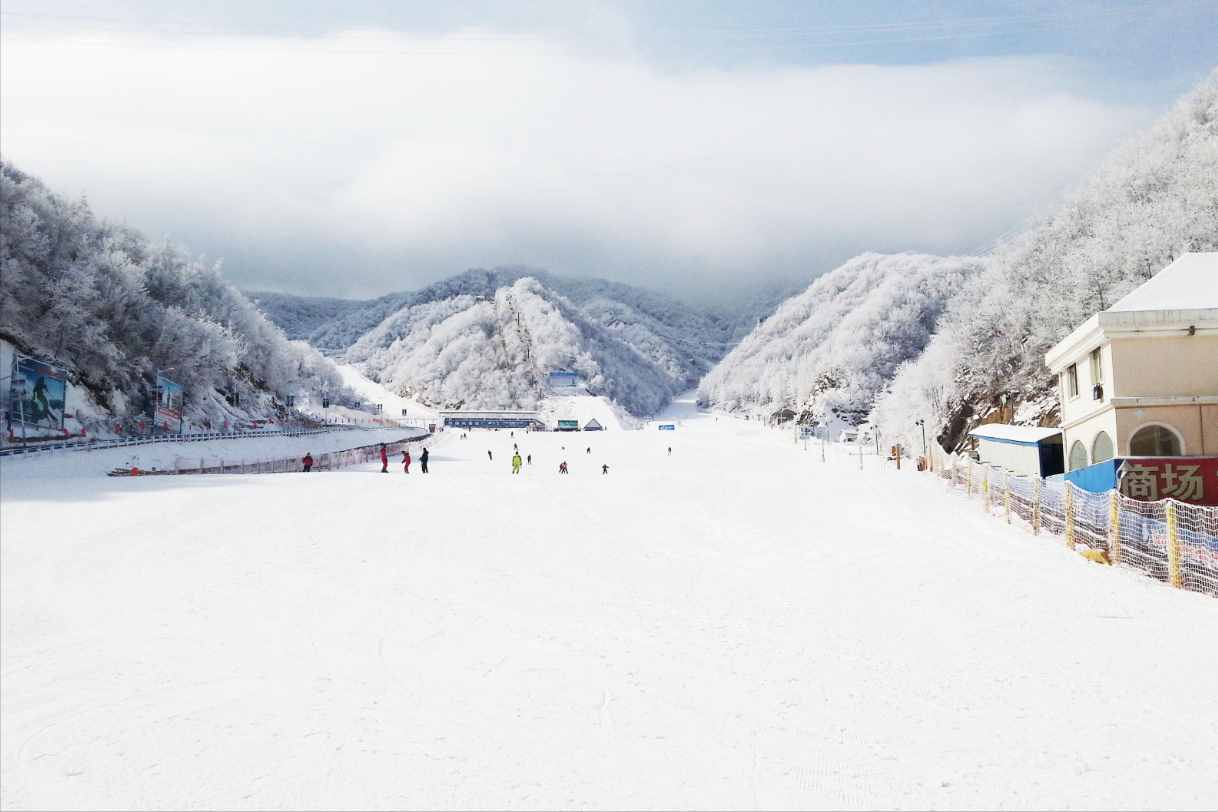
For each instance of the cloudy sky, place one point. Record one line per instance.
(360, 147)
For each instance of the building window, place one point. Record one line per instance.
(1155, 441)
(1072, 381)
(1078, 456)
(1097, 366)
(1101, 448)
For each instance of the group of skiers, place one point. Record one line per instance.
(307, 461)
(519, 462)
(406, 460)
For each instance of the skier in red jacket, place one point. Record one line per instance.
(384, 459)
(405, 460)
(307, 462)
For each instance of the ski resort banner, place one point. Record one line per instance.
(37, 393)
(169, 399)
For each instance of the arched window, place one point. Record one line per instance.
(1101, 448)
(1155, 441)
(1078, 456)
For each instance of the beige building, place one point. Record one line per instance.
(1141, 378)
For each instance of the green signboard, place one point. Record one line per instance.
(568, 425)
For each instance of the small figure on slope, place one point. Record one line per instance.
(307, 462)
(562, 467)
(405, 460)
(604, 469)
(384, 459)
(516, 463)
(423, 460)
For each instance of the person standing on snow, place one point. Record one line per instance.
(384, 459)
(423, 460)
(589, 449)
(604, 469)
(670, 451)
(562, 467)
(406, 461)
(489, 455)
(529, 459)
(516, 463)
(307, 462)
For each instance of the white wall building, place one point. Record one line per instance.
(1141, 378)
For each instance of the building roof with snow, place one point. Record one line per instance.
(1181, 297)
(1189, 283)
(1020, 435)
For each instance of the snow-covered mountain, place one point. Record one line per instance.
(301, 316)
(469, 351)
(638, 347)
(99, 299)
(1153, 199)
(828, 352)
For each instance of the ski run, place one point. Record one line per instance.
(735, 624)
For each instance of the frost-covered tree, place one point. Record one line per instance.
(829, 351)
(1153, 199)
(102, 301)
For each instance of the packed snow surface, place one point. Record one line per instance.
(737, 625)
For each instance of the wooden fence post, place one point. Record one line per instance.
(1114, 527)
(1006, 495)
(1069, 516)
(1036, 485)
(1173, 546)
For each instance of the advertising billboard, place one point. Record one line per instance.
(1185, 479)
(169, 401)
(38, 392)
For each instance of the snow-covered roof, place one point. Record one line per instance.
(1181, 297)
(1189, 283)
(1014, 434)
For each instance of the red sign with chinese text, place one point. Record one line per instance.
(1185, 479)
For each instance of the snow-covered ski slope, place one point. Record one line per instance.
(374, 392)
(737, 625)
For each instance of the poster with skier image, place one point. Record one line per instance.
(38, 391)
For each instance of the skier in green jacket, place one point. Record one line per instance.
(516, 463)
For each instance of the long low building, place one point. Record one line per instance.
(1030, 450)
(493, 419)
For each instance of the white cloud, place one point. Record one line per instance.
(370, 161)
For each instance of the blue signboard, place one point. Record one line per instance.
(667, 427)
(169, 401)
(563, 377)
